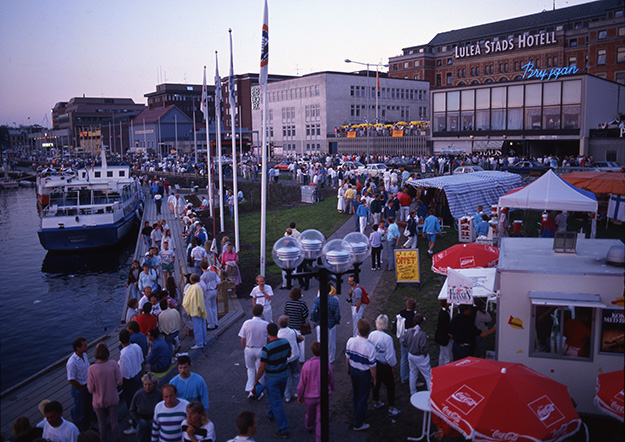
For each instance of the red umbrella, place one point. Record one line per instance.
(465, 256)
(502, 401)
(609, 396)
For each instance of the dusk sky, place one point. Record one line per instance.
(53, 50)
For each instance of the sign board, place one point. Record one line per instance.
(459, 288)
(407, 265)
(612, 337)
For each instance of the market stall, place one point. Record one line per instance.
(551, 192)
(464, 192)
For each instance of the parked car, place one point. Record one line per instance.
(353, 165)
(608, 166)
(397, 162)
(527, 167)
(375, 169)
(467, 169)
(283, 166)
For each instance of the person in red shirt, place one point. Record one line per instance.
(405, 201)
(147, 321)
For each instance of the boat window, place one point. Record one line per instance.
(99, 197)
(85, 197)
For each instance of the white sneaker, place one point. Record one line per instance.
(197, 347)
(129, 431)
(362, 427)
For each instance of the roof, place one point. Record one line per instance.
(597, 182)
(536, 255)
(539, 20)
(468, 190)
(152, 116)
(550, 192)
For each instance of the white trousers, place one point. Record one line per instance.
(411, 243)
(252, 363)
(356, 315)
(267, 313)
(362, 220)
(331, 342)
(445, 356)
(418, 364)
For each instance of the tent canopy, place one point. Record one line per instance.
(466, 191)
(597, 182)
(483, 282)
(550, 192)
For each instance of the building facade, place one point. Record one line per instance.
(304, 114)
(161, 130)
(186, 97)
(83, 118)
(590, 37)
(531, 117)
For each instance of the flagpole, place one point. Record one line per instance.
(218, 136)
(233, 109)
(264, 71)
(204, 108)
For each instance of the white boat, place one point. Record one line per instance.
(95, 209)
(50, 178)
(8, 183)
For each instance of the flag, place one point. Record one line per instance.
(377, 77)
(264, 48)
(616, 207)
(459, 288)
(204, 104)
(233, 100)
(217, 85)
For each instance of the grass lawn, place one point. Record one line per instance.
(321, 216)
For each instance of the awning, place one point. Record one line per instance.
(484, 145)
(483, 282)
(569, 299)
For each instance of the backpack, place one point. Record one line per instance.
(365, 297)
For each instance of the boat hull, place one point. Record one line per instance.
(87, 237)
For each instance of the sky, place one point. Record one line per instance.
(53, 50)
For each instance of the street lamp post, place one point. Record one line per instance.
(336, 257)
(368, 92)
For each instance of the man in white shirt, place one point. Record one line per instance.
(262, 294)
(77, 368)
(385, 361)
(253, 336)
(130, 360)
(57, 429)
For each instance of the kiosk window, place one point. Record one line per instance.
(563, 328)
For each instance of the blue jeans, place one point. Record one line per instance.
(144, 430)
(404, 369)
(82, 409)
(361, 384)
(199, 330)
(275, 391)
(293, 372)
(390, 254)
(171, 340)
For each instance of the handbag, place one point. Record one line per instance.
(306, 329)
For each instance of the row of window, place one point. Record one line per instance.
(390, 92)
(288, 132)
(313, 131)
(313, 112)
(288, 114)
(294, 93)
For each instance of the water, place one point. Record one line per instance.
(46, 299)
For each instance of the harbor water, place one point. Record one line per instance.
(49, 299)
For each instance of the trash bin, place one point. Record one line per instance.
(517, 226)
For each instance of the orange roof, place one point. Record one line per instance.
(597, 182)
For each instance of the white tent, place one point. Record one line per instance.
(550, 192)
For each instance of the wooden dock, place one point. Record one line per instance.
(51, 382)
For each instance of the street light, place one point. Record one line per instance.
(335, 257)
(377, 65)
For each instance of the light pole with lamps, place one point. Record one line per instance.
(368, 92)
(335, 257)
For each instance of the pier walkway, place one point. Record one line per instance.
(51, 382)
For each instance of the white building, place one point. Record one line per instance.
(304, 113)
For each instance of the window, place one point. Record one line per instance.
(448, 80)
(439, 79)
(620, 77)
(449, 61)
(351, 91)
(601, 55)
(621, 31)
(438, 62)
(560, 330)
(602, 35)
(572, 42)
(573, 61)
(620, 55)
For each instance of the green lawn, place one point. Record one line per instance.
(321, 216)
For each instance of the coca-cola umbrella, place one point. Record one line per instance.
(465, 256)
(609, 396)
(502, 401)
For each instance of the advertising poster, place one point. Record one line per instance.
(407, 265)
(612, 331)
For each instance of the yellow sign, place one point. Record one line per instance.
(407, 265)
(351, 134)
(398, 133)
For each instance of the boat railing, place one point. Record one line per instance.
(95, 209)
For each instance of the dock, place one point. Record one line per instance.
(51, 382)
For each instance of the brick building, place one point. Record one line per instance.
(590, 37)
(186, 97)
